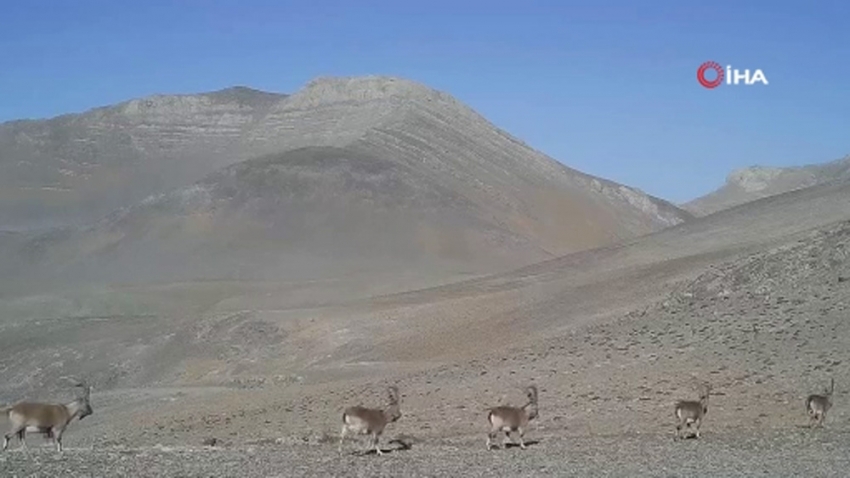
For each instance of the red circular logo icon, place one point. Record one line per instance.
(710, 65)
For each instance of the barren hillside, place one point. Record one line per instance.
(757, 182)
(253, 304)
(753, 300)
(225, 332)
(363, 177)
(78, 168)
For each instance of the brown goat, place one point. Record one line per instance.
(818, 405)
(361, 420)
(48, 418)
(690, 412)
(509, 419)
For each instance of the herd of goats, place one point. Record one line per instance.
(51, 419)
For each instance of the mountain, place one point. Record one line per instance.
(612, 339)
(194, 373)
(756, 182)
(345, 176)
(77, 168)
(656, 306)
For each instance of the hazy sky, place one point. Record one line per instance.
(606, 87)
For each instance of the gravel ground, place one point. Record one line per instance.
(774, 453)
(765, 330)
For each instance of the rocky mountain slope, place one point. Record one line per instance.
(79, 167)
(76, 168)
(753, 299)
(347, 176)
(240, 332)
(756, 182)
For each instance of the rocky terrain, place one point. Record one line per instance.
(757, 182)
(612, 337)
(390, 236)
(77, 168)
(775, 454)
(347, 177)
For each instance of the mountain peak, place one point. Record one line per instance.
(332, 89)
(240, 96)
(753, 178)
(755, 182)
(155, 144)
(245, 96)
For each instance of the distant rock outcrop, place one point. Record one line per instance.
(749, 184)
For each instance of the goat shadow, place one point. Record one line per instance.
(516, 445)
(402, 445)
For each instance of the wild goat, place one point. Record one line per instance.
(509, 419)
(818, 405)
(362, 421)
(48, 418)
(691, 412)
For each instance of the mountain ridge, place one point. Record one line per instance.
(372, 173)
(140, 138)
(755, 182)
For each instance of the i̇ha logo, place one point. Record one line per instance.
(733, 76)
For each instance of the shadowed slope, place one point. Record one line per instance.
(309, 214)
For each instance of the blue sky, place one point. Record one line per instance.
(606, 87)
